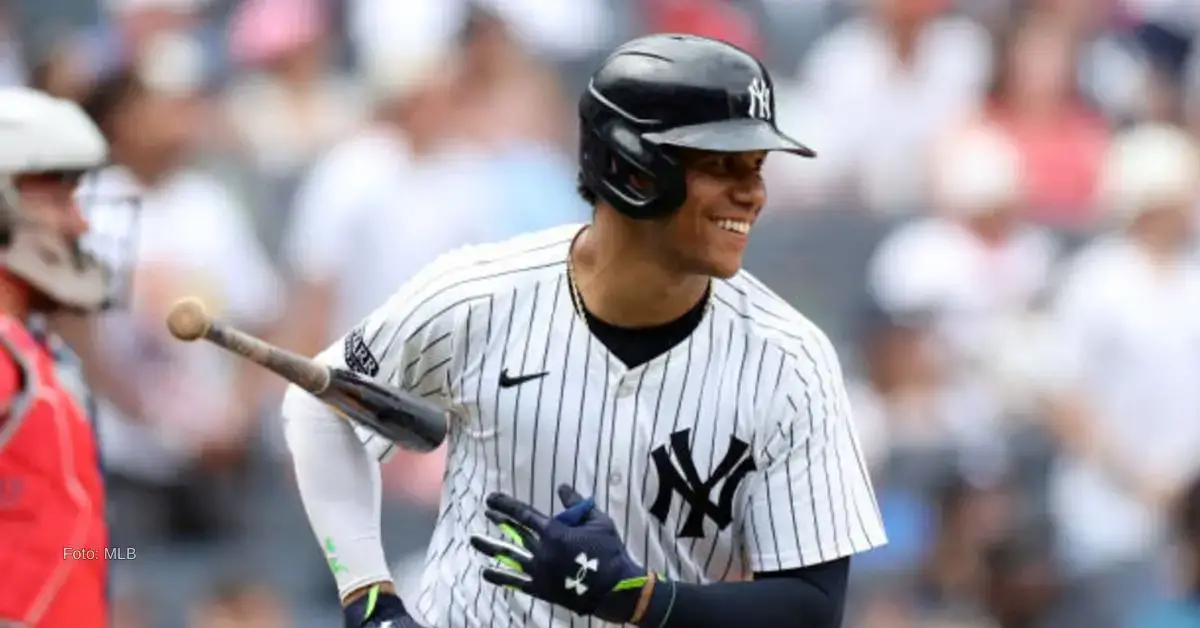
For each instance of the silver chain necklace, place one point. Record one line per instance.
(577, 297)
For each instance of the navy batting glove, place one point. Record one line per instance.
(378, 609)
(575, 559)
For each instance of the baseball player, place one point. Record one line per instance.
(52, 527)
(644, 433)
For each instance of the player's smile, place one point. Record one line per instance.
(731, 232)
(734, 225)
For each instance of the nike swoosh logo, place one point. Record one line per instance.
(507, 381)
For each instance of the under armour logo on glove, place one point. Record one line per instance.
(585, 565)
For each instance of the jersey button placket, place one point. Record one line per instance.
(626, 387)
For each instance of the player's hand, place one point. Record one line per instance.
(378, 609)
(575, 559)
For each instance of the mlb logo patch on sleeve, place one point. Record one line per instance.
(358, 355)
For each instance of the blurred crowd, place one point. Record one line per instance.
(998, 233)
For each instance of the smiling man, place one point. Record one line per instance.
(630, 361)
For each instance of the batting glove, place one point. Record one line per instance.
(378, 609)
(575, 560)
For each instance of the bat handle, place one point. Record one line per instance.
(189, 321)
(297, 369)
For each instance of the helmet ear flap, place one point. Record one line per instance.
(636, 177)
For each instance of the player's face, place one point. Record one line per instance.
(49, 201)
(725, 196)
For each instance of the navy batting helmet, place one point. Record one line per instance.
(671, 91)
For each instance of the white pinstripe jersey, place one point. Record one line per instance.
(731, 453)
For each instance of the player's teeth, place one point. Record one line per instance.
(737, 226)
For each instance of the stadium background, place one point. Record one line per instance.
(283, 200)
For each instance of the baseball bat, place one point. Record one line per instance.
(412, 422)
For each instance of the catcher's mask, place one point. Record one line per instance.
(52, 140)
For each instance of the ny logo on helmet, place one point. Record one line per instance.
(760, 99)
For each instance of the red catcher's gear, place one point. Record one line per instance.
(52, 530)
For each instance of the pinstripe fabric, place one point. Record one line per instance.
(754, 376)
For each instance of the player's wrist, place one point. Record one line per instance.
(660, 601)
(382, 587)
(627, 601)
(374, 605)
(645, 593)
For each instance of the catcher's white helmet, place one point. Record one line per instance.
(43, 134)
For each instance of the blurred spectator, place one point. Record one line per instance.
(289, 104)
(876, 90)
(976, 268)
(342, 244)
(900, 410)
(509, 95)
(897, 404)
(177, 418)
(1126, 361)
(517, 130)
(1035, 98)
(378, 208)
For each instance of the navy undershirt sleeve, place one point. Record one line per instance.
(810, 597)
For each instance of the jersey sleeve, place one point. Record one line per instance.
(811, 499)
(407, 343)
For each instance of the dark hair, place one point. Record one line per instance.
(1188, 513)
(109, 95)
(584, 191)
(39, 75)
